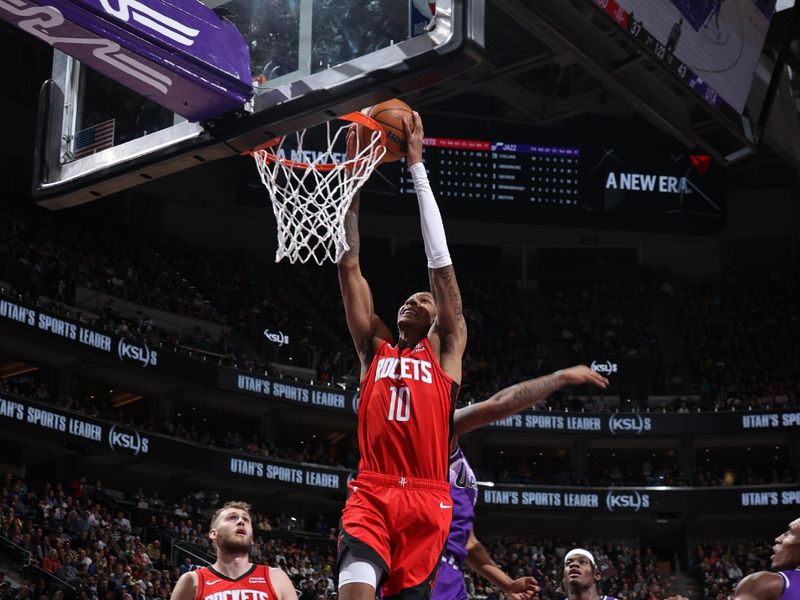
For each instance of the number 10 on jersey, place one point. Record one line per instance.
(400, 404)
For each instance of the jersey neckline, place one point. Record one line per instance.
(226, 578)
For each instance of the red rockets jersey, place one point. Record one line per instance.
(405, 413)
(255, 584)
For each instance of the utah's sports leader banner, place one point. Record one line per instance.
(43, 419)
(641, 500)
(651, 424)
(139, 355)
(39, 419)
(275, 388)
(85, 337)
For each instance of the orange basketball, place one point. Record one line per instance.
(390, 116)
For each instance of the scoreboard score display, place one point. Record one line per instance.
(499, 171)
(555, 176)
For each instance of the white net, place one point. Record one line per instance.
(312, 190)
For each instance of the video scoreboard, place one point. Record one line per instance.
(713, 46)
(501, 172)
(561, 176)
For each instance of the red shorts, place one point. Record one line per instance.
(400, 524)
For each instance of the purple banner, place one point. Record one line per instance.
(181, 56)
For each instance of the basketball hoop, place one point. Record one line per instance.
(311, 197)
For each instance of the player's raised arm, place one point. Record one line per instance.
(526, 394)
(365, 326)
(448, 335)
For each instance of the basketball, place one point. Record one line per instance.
(390, 116)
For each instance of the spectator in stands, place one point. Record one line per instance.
(51, 562)
(78, 487)
(123, 522)
(68, 572)
(264, 523)
(307, 591)
(186, 566)
(153, 550)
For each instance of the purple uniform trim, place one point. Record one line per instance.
(464, 492)
(449, 582)
(791, 585)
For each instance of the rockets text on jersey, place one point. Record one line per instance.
(404, 413)
(237, 595)
(404, 368)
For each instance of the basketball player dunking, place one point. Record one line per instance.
(783, 585)
(396, 518)
(462, 544)
(233, 575)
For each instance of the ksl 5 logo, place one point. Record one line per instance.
(604, 368)
(631, 500)
(131, 441)
(632, 423)
(276, 337)
(139, 354)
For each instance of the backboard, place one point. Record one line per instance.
(309, 61)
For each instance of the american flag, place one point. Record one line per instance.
(94, 138)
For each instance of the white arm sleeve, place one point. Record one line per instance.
(430, 219)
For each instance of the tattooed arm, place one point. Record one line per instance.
(448, 334)
(450, 328)
(365, 326)
(515, 398)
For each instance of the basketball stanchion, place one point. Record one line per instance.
(310, 199)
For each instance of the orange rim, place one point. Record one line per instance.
(353, 117)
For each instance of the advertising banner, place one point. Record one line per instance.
(642, 500)
(53, 422)
(139, 355)
(651, 424)
(275, 388)
(130, 351)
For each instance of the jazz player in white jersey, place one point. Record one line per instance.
(233, 575)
